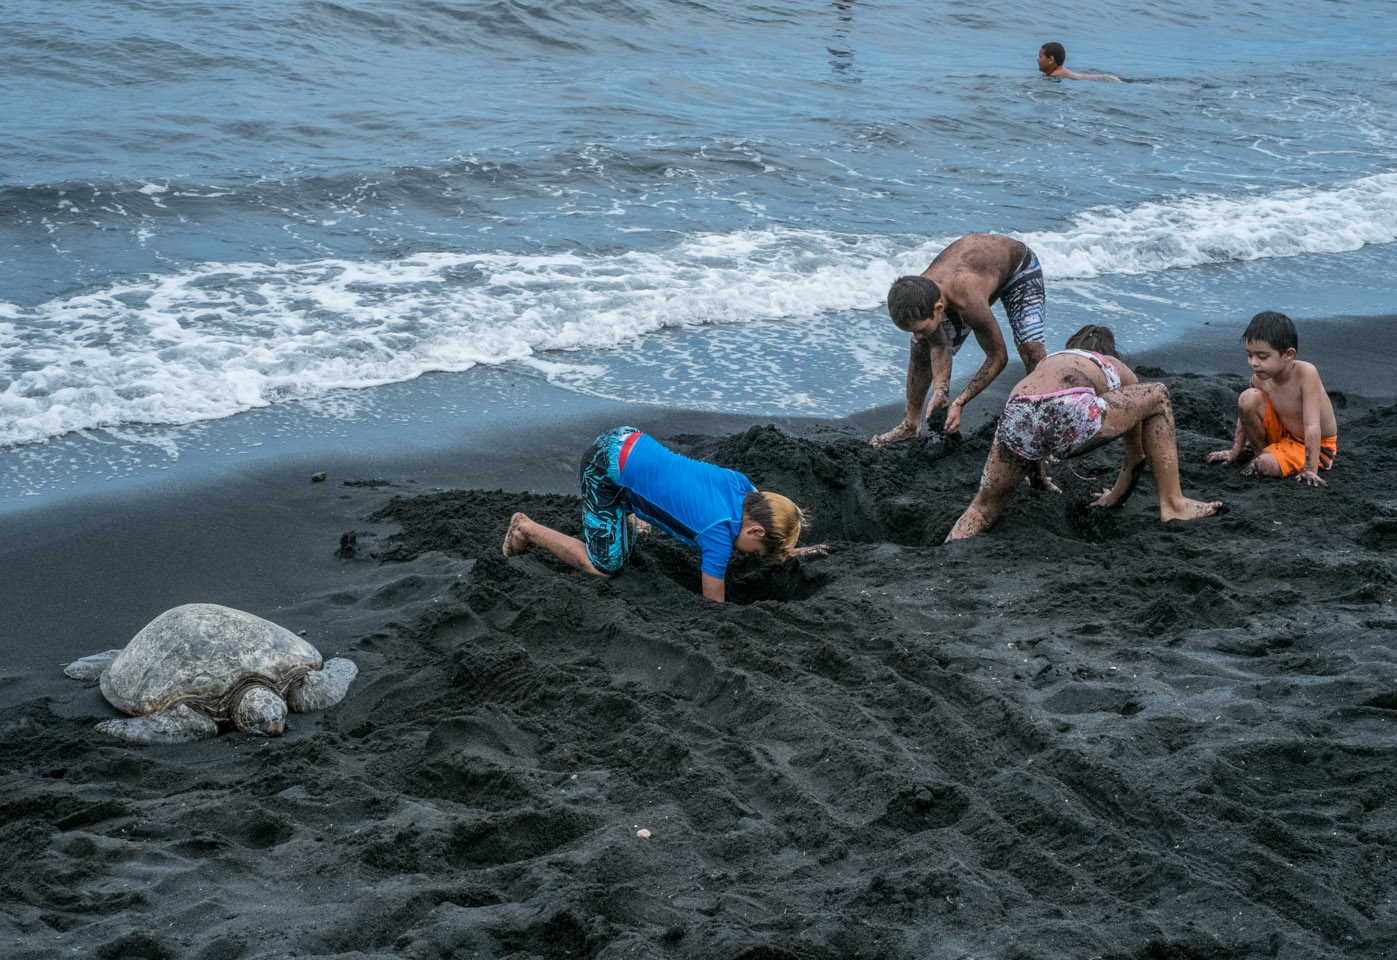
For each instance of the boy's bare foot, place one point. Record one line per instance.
(642, 527)
(1189, 510)
(515, 543)
(899, 433)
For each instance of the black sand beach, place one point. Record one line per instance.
(1085, 734)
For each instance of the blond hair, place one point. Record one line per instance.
(781, 520)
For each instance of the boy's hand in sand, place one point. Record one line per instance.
(953, 417)
(1312, 478)
(815, 550)
(1225, 456)
(1038, 478)
(1106, 498)
(906, 430)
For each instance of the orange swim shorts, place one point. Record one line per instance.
(1288, 449)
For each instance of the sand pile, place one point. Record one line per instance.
(1084, 735)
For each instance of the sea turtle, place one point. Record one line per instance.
(201, 668)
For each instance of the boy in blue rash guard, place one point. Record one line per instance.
(630, 481)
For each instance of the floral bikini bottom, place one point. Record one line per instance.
(1054, 424)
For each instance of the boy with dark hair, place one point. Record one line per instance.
(1285, 418)
(1052, 56)
(949, 301)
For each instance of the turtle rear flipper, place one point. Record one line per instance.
(323, 688)
(175, 725)
(90, 668)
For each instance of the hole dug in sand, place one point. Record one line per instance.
(911, 493)
(749, 579)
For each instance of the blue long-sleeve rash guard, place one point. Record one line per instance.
(697, 502)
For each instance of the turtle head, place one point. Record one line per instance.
(260, 711)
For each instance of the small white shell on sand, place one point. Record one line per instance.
(643, 834)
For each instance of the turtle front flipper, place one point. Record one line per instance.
(90, 668)
(176, 725)
(324, 687)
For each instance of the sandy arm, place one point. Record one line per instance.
(1239, 442)
(1132, 454)
(940, 370)
(1132, 463)
(1311, 398)
(987, 335)
(1230, 455)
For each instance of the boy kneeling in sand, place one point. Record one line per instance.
(630, 481)
(1074, 401)
(1285, 414)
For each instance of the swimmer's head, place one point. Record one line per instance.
(780, 522)
(1051, 56)
(1096, 339)
(912, 302)
(1274, 328)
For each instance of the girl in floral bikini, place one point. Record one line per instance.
(1074, 401)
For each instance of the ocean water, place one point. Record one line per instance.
(255, 225)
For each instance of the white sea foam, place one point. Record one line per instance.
(1193, 230)
(225, 337)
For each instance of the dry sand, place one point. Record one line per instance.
(1086, 734)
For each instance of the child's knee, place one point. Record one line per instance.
(1266, 464)
(1251, 402)
(1159, 395)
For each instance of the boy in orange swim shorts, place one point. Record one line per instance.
(1285, 418)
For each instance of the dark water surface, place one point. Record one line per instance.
(209, 208)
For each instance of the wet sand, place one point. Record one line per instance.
(1085, 734)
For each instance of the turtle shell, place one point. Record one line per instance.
(205, 655)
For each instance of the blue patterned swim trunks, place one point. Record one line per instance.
(606, 527)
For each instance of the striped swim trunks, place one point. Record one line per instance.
(1024, 299)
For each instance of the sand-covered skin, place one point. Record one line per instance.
(1086, 734)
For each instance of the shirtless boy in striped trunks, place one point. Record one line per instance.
(951, 300)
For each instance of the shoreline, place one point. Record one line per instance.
(420, 424)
